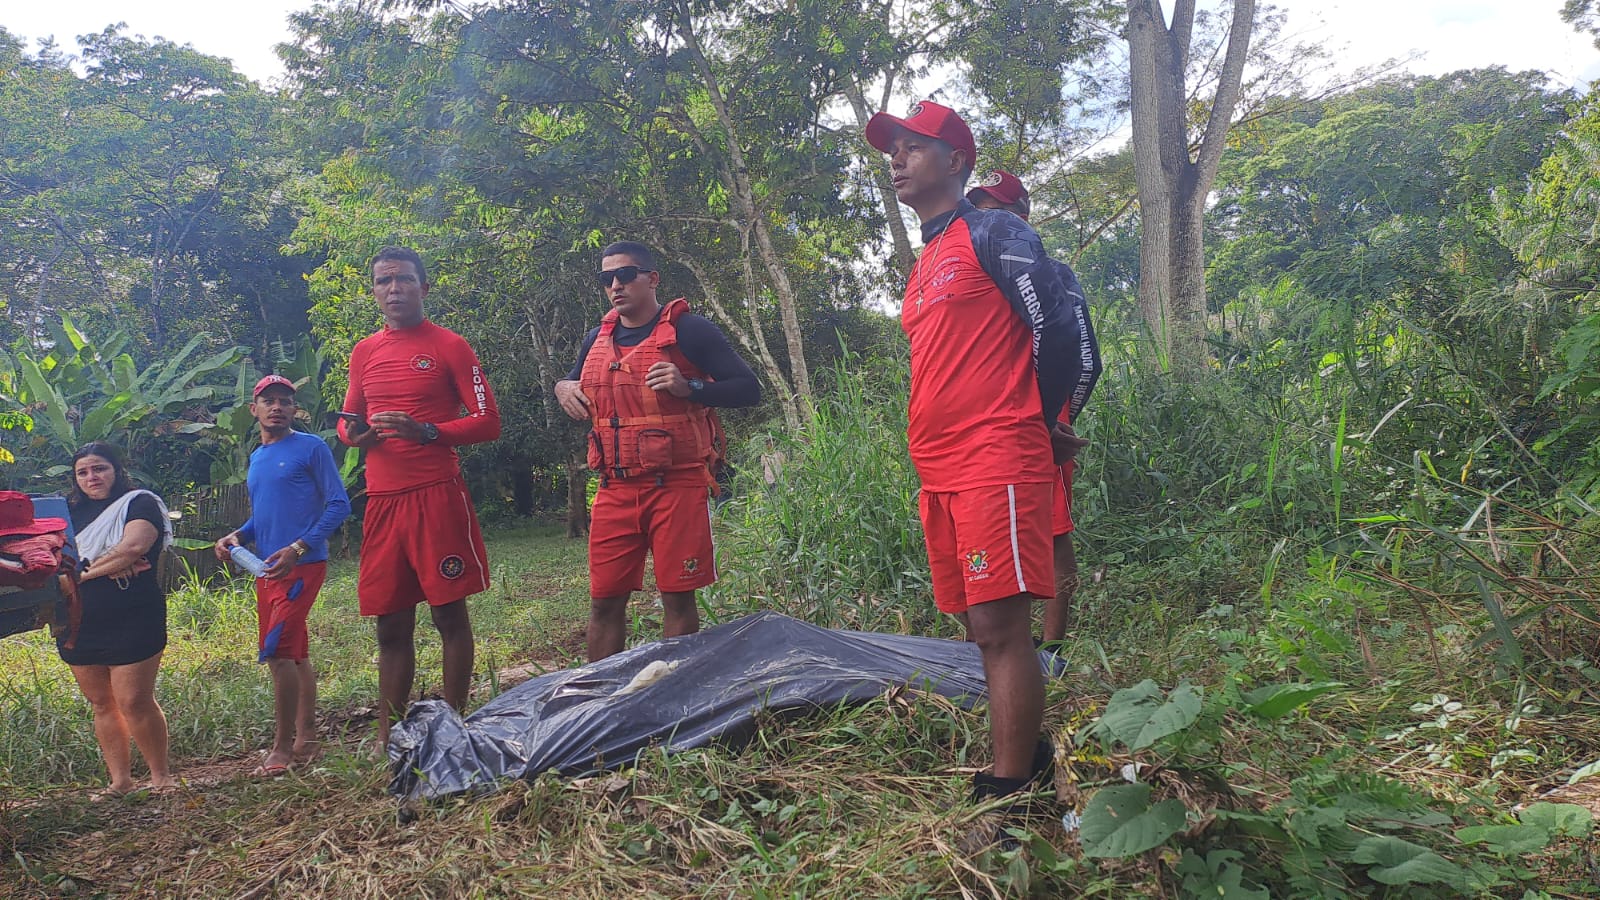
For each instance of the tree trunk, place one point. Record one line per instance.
(522, 486)
(1174, 180)
(577, 495)
(753, 340)
(903, 256)
(736, 179)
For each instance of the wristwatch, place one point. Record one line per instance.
(696, 386)
(300, 548)
(430, 432)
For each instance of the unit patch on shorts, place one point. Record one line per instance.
(452, 566)
(977, 561)
(691, 565)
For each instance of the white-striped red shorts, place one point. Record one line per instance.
(988, 543)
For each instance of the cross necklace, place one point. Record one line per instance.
(922, 283)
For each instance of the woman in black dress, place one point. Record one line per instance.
(117, 650)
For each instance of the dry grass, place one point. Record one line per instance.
(848, 803)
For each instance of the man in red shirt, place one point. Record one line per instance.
(986, 315)
(1003, 190)
(420, 540)
(648, 378)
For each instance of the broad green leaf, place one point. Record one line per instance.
(222, 359)
(1591, 769)
(1560, 818)
(1277, 700)
(191, 544)
(1139, 716)
(1128, 710)
(166, 377)
(123, 373)
(1506, 840)
(1394, 861)
(97, 424)
(74, 335)
(1218, 874)
(55, 406)
(1119, 821)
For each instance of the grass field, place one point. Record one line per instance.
(850, 803)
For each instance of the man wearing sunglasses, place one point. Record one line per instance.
(648, 378)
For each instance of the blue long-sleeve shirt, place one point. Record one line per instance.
(295, 494)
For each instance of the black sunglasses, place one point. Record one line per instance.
(623, 275)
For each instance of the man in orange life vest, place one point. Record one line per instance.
(991, 365)
(1003, 190)
(647, 378)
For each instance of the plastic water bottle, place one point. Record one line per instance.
(247, 561)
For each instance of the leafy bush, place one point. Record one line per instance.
(824, 526)
(1331, 833)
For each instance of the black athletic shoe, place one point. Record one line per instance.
(992, 828)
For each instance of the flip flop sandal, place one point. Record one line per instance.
(266, 772)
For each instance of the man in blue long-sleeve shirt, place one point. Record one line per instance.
(297, 499)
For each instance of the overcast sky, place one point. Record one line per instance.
(1451, 34)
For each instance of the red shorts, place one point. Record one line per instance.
(420, 545)
(293, 641)
(988, 543)
(1061, 502)
(671, 522)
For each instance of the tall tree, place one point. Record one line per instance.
(143, 191)
(1174, 170)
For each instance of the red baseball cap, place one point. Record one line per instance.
(16, 516)
(271, 380)
(1002, 186)
(927, 118)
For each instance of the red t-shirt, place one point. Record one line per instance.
(975, 418)
(429, 373)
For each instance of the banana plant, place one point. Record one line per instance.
(81, 391)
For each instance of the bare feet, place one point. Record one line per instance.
(277, 761)
(306, 751)
(114, 792)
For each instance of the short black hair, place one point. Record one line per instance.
(120, 482)
(640, 253)
(401, 254)
(966, 173)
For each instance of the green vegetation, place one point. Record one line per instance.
(1338, 623)
(219, 701)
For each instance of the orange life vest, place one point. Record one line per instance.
(638, 430)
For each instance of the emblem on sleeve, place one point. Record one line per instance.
(452, 566)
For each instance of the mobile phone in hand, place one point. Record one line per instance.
(357, 423)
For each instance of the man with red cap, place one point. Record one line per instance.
(991, 367)
(420, 540)
(1003, 190)
(649, 378)
(297, 499)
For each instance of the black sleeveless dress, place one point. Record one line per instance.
(121, 625)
